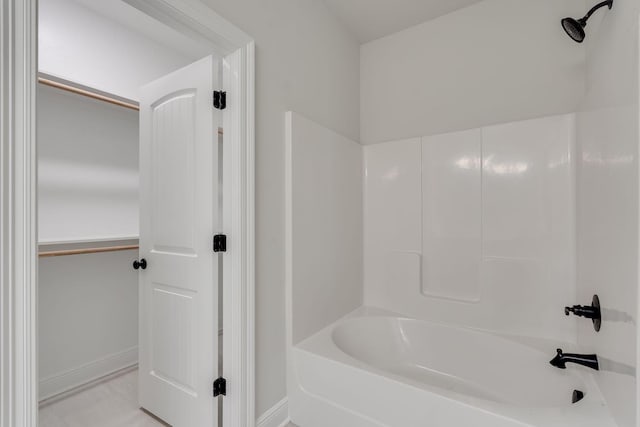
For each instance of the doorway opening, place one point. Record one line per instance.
(127, 193)
(130, 194)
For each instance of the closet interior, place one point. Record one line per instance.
(93, 58)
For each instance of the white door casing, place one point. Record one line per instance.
(179, 214)
(18, 209)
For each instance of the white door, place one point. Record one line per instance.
(178, 350)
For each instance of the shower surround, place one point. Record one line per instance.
(475, 228)
(469, 259)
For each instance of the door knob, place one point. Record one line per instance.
(140, 264)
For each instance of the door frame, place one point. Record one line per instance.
(18, 203)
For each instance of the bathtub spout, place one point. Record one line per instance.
(561, 359)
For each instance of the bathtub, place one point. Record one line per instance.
(374, 368)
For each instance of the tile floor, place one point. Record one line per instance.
(109, 404)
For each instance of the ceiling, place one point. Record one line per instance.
(120, 12)
(372, 19)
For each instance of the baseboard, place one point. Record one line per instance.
(277, 416)
(68, 381)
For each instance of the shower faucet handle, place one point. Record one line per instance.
(581, 311)
(588, 311)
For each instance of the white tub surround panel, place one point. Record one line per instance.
(392, 218)
(607, 252)
(452, 224)
(607, 196)
(528, 224)
(325, 225)
(495, 209)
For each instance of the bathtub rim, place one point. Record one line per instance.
(321, 344)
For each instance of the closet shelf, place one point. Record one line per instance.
(54, 249)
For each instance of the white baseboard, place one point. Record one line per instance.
(277, 416)
(75, 378)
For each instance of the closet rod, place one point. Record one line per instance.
(64, 252)
(87, 93)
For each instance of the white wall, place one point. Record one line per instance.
(87, 318)
(87, 189)
(78, 44)
(493, 62)
(306, 62)
(87, 168)
(608, 202)
(324, 203)
(475, 227)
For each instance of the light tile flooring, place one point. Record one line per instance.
(113, 403)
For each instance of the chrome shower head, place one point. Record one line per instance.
(575, 27)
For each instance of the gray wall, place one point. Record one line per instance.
(87, 168)
(88, 188)
(109, 45)
(308, 63)
(87, 318)
(496, 61)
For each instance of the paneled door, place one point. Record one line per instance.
(178, 342)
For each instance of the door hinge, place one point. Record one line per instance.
(220, 99)
(220, 243)
(220, 387)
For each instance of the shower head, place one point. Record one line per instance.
(575, 27)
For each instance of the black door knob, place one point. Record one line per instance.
(140, 264)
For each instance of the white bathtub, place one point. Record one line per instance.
(377, 369)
